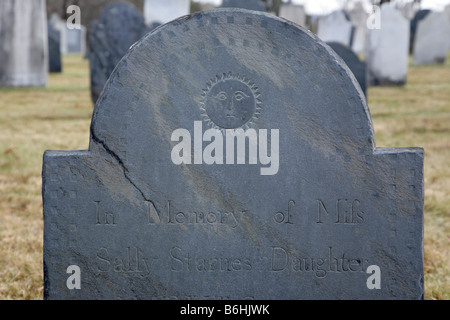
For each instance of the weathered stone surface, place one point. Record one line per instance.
(309, 225)
(120, 25)
(54, 49)
(294, 13)
(163, 11)
(256, 5)
(387, 55)
(23, 43)
(357, 66)
(335, 27)
(432, 39)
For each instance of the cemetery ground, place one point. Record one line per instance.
(58, 117)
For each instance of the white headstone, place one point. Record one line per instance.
(294, 13)
(387, 48)
(76, 40)
(163, 11)
(358, 17)
(447, 14)
(335, 28)
(432, 39)
(23, 43)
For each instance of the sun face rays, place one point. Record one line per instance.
(230, 102)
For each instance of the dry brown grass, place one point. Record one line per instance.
(58, 118)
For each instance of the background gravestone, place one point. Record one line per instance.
(76, 40)
(256, 5)
(54, 49)
(335, 27)
(357, 66)
(447, 14)
(23, 43)
(140, 226)
(387, 55)
(358, 17)
(420, 15)
(294, 13)
(119, 26)
(163, 11)
(432, 39)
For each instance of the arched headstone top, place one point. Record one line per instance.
(297, 84)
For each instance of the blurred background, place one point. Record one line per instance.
(53, 69)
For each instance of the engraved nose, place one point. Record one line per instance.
(231, 104)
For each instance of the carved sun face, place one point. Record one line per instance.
(230, 102)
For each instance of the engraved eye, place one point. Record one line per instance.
(239, 95)
(222, 96)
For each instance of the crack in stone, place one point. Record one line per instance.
(122, 165)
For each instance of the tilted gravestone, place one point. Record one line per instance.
(256, 5)
(335, 27)
(163, 11)
(387, 55)
(120, 25)
(54, 49)
(432, 39)
(232, 156)
(23, 43)
(357, 66)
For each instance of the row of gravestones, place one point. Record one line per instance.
(387, 48)
(63, 40)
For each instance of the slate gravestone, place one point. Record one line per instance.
(23, 43)
(294, 13)
(432, 39)
(387, 55)
(335, 27)
(171, 201)
(120, 25)
(420, 15)
(350, 58)
(256, 5)
(54, 49)
(163, 11)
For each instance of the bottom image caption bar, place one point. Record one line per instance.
(226, 309)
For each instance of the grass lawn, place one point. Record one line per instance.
(58, 117)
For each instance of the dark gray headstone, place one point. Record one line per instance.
(23, 43)
(149, 211)
(256, 5)
(54, 49)
(120, 25)
(357, 66)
